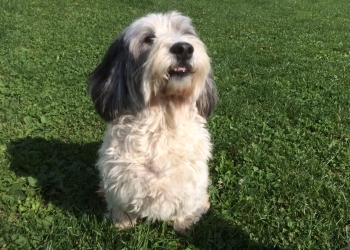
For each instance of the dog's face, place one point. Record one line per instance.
(157, 57)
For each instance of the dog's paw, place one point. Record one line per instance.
(125, 225)
(126, 221)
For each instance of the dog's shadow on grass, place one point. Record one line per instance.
(213, 232)
(63, 173)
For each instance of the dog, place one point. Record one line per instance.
(155, 89)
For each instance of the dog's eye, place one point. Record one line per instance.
(149, 39)
(189, 33)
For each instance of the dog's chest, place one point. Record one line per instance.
(161, 147)
(149, 158)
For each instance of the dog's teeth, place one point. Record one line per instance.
(180, 69)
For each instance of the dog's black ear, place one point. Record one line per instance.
(208, 98)
(112, 85)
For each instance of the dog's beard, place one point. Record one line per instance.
(178, 83)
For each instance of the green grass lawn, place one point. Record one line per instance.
(281, 162)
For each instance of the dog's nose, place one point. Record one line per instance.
(182, 50)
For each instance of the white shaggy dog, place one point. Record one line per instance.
(154, 88)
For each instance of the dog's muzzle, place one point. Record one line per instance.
(183, 52)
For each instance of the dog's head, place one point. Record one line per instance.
(157, 57)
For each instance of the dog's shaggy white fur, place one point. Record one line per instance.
(154, 88)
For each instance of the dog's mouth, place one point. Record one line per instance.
(180, 71)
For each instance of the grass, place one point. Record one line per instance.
(281, 163)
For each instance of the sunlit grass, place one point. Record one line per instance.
(281, 132)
